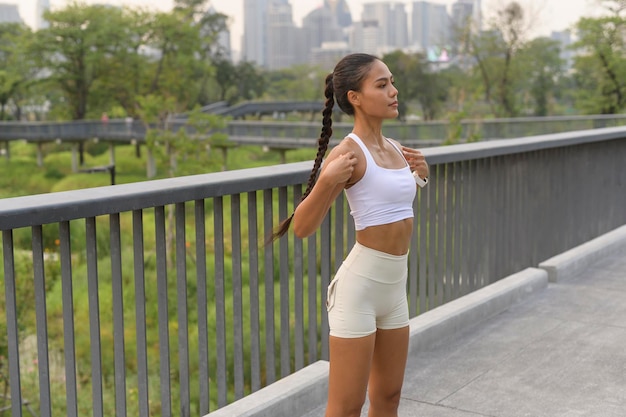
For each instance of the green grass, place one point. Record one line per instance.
(20, 174)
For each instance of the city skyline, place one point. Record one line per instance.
(551, 15)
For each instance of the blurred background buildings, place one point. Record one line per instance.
(273, 41)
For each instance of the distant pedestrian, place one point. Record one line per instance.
(366, 301)
(104, 118)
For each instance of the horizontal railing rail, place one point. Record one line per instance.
(162, 297)
(126, 131)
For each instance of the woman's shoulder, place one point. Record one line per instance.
(346, 145)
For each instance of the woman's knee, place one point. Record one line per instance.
(344, 409)
(385, 400)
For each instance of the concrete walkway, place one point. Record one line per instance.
(559, 353)
(520, 347)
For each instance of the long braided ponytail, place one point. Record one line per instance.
(322, 147)
(347, 75)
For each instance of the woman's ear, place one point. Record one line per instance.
(353, 98)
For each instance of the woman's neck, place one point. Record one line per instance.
(369, 132)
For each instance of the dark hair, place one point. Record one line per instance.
(348, 75)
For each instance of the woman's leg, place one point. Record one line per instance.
(387, 371)
(350, 360)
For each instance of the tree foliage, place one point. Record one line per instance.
(16, 67)
(601, 65)
(94, 58)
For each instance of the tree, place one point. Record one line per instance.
(601, 67)
(495, 54)
(300, 82)
(16, 68)
(417, 82)
(543, 66)
(250, 81)
(76, 50)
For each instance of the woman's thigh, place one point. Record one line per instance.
(388, 365)
(350, 361)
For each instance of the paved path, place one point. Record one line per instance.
(559, 353)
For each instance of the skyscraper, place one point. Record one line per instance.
(282, 35)
(341, 11)
(42, 6)
(321, 25)
(254, 43)
(430, 24)
(9, 14)
(392, 21)
(467, 13)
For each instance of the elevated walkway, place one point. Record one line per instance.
(551, 343)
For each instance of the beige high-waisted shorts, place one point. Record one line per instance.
(368, 293)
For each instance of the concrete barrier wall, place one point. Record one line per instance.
(574, 261)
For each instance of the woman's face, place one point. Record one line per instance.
(378, 96)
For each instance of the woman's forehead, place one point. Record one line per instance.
(379, 70)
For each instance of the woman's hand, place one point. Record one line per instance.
(416, 160)
(340, 169)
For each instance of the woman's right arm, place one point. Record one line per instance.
(336, 173)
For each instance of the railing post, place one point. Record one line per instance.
(74, 157)
(151, 164)
(39, 154)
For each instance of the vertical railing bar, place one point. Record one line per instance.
(413, 277)
(339, 234)
(237, 289)
(298, 274)
(466, 228)
(472, 227)
(202, 302)
(476, 250)
(13, 340)
(255, 311)
(424, 198)
(521, 205)
(325, 274)
(509, 186)
(490, 222)
(442, 235)
(163, 311)
(140, 315)
(117, 293)
(314, 287)
(220, 302)
(498, 173)
(458, 227)
(484, 212)
(284, 280)
(433, 202)
(45, 404)
(351, 237)
(182, 308)
(94, 317)
(450, 229)
(268, 225)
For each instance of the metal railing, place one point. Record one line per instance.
(217, 314)
(279, 133)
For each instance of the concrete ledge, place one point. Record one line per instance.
(431, 327)
(577, 259)
(289, 396)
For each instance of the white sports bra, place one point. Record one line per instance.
(383, 195)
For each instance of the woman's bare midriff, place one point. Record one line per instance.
(393, 238)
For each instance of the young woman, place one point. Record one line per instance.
(366, 300)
